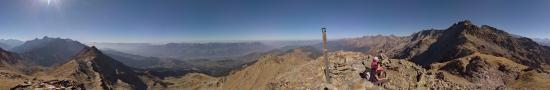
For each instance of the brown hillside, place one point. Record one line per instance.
(98, 71)
(11, 70)
(464, 38)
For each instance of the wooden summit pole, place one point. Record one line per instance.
(325, 51)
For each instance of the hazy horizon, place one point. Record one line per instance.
(166, 21)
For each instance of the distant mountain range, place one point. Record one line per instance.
(132, 60)
(464, 38)
(2, 45)
(9, 43)
(365, 44)
(48, 51)
(55, 51)
(188, 51)
(459, 40)
(545, 42)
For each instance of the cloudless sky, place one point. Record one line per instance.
(160, 21)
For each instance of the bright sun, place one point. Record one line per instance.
(50, 4)
(49, 1)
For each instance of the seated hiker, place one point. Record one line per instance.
(375, 69)
(383, 58)
(375, 65)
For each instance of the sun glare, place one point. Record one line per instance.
(47, 2)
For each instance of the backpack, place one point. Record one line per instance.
(365, 74)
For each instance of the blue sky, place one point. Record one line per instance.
(160, 21)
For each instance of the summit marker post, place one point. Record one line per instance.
(325, 52)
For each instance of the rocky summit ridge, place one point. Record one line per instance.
(102, 71)
(463, 56)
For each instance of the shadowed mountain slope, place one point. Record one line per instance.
(99, 71)
(13, 69)
(12, 62)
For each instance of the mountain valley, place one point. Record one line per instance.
(463, 56)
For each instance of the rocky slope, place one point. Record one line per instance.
(89, 69)
(483, 55)
(300, 70)
(296, 69)
(11, 61)
(98, 71)
(12, 69)
(464, 38)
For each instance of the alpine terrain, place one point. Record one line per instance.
(463, 56)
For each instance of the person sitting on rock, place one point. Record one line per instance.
(375, 65)
(375, 69)
(383, 58)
